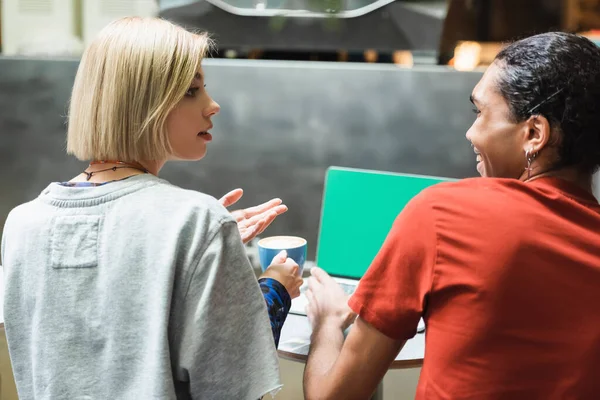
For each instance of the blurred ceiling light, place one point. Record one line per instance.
(403, 58)
(467, 56)
(370, 55)
(230, 53)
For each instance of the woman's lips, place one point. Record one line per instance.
(206, 136)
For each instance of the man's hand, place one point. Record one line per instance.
(254, 220)
(338, 369)
(327, 301)
(285, 271)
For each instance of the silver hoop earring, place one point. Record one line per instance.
(529, 156)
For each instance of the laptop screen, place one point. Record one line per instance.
(358, 210)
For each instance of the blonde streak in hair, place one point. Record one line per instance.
(137, 97)
(96, 92)
(90, 113)
(93, 93)
(154, 81)
(131, 96)
(168, 44)
(97, 120)
(133, 65)
(145, 56)
(168, 100)
(140, 106)
(107, 122)
(115, 115)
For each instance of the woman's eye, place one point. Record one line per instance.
(476, 111)
(191, 92)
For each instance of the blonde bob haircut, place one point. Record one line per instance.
(130, 78)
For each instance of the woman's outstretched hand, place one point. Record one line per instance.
(254, 220)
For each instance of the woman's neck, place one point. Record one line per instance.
(570, 174)
(105, 171)
(153, 166)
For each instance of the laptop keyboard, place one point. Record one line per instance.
(347, 288)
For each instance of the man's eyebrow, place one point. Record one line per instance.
(476, 101)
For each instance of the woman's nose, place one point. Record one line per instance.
(213, 109)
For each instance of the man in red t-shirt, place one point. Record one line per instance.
(505, 270)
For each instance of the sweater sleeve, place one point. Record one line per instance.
(223, 323)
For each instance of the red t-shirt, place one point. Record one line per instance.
(506, 275)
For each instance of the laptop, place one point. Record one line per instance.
(358, 209)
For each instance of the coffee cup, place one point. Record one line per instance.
(269, 247)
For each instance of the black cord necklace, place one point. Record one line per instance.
(121, 163)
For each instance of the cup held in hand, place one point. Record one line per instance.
(270, 247)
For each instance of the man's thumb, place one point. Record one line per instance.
(280, 258)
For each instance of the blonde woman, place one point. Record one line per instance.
(120, 285)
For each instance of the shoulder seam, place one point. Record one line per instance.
(211, 236)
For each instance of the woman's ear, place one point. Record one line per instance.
(538, 133)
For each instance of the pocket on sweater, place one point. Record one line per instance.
(75, 241)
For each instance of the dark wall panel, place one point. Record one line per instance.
(281, 125)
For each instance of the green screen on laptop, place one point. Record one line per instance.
(358, 210)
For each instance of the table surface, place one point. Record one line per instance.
(294, 343)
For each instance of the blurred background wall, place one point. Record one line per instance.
(281, 125)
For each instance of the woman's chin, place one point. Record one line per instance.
(188, 157)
